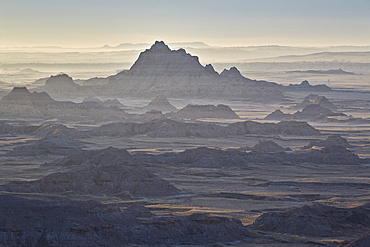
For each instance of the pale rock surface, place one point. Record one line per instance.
(205, 111)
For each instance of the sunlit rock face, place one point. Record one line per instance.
(175, 73)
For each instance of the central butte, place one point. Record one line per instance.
(175, 73)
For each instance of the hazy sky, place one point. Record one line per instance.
(217, 22)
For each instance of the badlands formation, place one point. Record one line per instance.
(174, 153)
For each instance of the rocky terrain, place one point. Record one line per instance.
(104, 172)
(311, 112)
(170, 128)
(316, 220)
(20, 103)
(171, 73)
(27, 222)
(266, 152)
(171, 152)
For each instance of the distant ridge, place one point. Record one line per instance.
(361, 56)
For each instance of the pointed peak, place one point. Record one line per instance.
(232, 72)
(305, 83)
(210, 69)
(159, 46)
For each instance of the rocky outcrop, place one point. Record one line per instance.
(22, 95)
(312, 112)
(315, 220)
(305, 102)
(175, 73)
(205, 111)
(61, 82)
(27, 222)
(56, 131)
(363, 241)
(6, 128)
(267, 147)
(170, 128)
(324, 102)
(107, 103)
(160, 103)
(306, 86)
(318, 100)
(211, 157)
(332, 140)
(55, 139)
(103, 172)
(278, 115)
(20, 103)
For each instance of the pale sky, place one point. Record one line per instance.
(86, 23)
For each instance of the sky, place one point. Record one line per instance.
(87, 23)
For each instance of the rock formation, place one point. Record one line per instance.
(332, 140)
(175, 73)
(55, 139)
(363, 241)
(22, 95)
(103, 172)
(28, 222)
(160, 103)
(92, 99)
(61, 82)
(268, 147)
(205, 111)
(264, 153)
(319, 100)
(315, 220)
(324, 102)
(20, 103)
(278, 115)
(312, 112)
(306, 86)
(170, 128)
